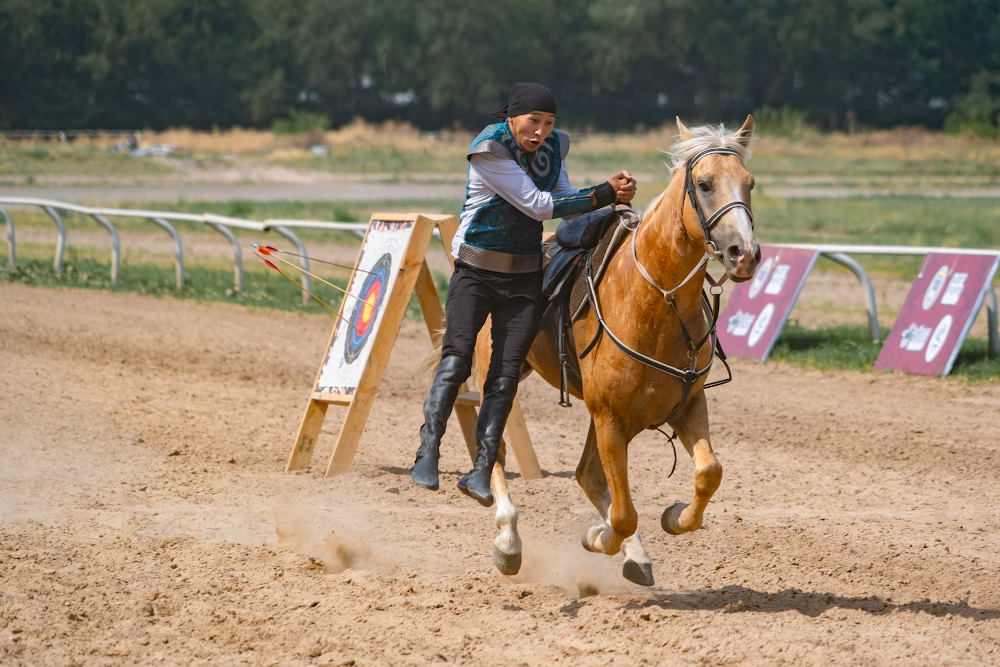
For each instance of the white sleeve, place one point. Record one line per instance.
(562, 185)
(509, 181)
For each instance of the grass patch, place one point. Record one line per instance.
(892, 220)
(844, 348)
(850, 348)
(896, 220)
(261, 289)
(28, 158)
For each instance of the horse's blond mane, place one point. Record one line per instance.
(706, 136)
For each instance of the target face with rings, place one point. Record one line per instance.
(367, 308)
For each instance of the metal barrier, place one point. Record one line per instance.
(222, 224)
(61, 240)
(11, 244)
(839, 254)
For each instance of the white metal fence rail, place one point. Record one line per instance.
(841, 254)
(221, 224)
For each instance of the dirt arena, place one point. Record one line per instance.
(145, 518)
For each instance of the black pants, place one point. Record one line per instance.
(515, 302)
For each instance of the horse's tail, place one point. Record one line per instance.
(433, 359)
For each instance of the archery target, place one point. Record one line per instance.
(367, 299)
(367, 308)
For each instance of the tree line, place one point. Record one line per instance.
(68, 64)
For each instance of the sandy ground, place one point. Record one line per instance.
(145, 518)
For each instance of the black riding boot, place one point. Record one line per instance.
(494, 408)
(451, 373)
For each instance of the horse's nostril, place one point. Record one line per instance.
(756, 254)
(734, 252)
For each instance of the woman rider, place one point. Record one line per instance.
(517, 179)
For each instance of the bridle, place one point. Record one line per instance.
(690, 375)
(706, 225)
(690, 193)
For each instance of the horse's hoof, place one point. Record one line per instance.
(507, 564)
(672, 511)
(638, 573)
(593, 540)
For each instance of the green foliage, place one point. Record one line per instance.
(157, 63)
(123, 63)
(978, 111)
(850, 348)
(301, 122)
(784, 122)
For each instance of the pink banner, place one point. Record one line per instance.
(757, 310)
(937, 314)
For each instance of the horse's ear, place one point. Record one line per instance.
(744, 134)
(682, 128)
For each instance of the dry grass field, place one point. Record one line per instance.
(908, 156)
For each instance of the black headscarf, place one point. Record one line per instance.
(525, 98)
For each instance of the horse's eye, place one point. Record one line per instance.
(705, 186)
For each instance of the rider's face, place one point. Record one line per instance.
(531, 129)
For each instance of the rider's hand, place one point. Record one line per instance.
(624, 186)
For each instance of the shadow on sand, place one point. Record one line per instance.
(740, 599)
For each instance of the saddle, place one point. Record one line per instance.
(595, 238)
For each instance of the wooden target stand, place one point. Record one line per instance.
(412, 275)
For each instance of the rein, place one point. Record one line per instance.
(688, 376)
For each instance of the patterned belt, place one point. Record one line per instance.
(501, 262)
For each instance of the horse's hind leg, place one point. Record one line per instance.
(506, 545)
(692, 428)
(637, 568)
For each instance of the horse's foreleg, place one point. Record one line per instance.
(507, 545)
(692, 429)
(637, 568)
(612, 447)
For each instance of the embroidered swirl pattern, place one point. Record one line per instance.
(542, 162)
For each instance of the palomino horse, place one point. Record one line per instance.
(666, 262)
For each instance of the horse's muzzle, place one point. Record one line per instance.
(741, 260)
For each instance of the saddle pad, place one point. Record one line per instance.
(585, 231)
(614, 234)
(558, 262)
